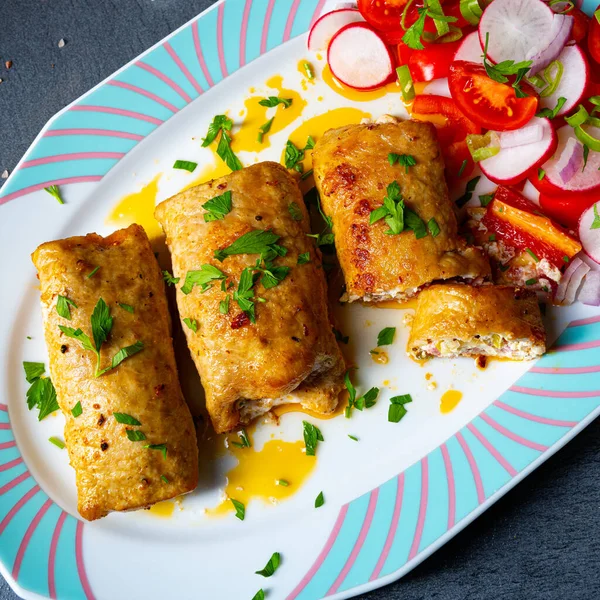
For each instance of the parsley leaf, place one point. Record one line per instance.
(367, 400)
(303, 258)
(397, 410)
(319, 500)
(275, 100)
(386, 336)
(201, 277)
(240, 511)
(126, 419)
(351, 394)
(485, 199)
(164, 479)
(550, 113)
(191, 323)
(310, 143)
(217, 207)
(414, 222)
(219, 123)
(405, 160)
(434, 228)
(340, 337)
(323, 239)
(33, 370)
(76, 411)
(62, 307)
(260, 595)
(263, 129)
(245, 443)
(134, 435)
(169, 279)
(312, 436)
(185, 165)
(596, 222)
(224, 305)
(257, 241)
(244, 294)
(102, 323)
(470, 187)
(293, 157)
(392, 210)
(272, 275)
(43, 396)
(121, 355)
(226, 154)
(295, 211)
(55, 192)
(160, 447)
(412, 37)
(505, 68)
(126, 307)
(271, 566)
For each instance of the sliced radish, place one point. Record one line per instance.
(511, 165)
(589, 231)
(358, 57)
(584, 180)
(574, 80)
(438, 87)
(325, 27)
(470, 49)
(542, 56)
(516, 28)
(529, 134)
(531, 193)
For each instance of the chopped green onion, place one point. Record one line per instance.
(531, 281)
(282, 482)
(585, 138)
(164, 479)
(353, 437)
(462, 168)
(471, 11)
(406, 83)
(552, 79)
(185, 165)
(541, 173)
(319, 500)
(57, 442)
(532, 254)
(265, 128)
(492, 237)
(566, 258)
(93, 272)
(55, 192)
(308, 70)
(579, 118)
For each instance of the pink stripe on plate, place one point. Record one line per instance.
(574, 347)
(174, 86)
(553, 393)
(183, 68)
(27, 537)
(102, 132)
(52, 555)
(474, 467)
(451, 486)
(143, 92)
(73, 156)
(4, 407)
(414, 549)
(244, 32)
(322, 555)
(199, 54)
(266, 25)
(364, 530)
(85, 584)
(535, 418)
(289, 24)
(588, 321)
(513, 436)
(17, 507)
(4, 425)
(11, 464)
(488, 446)
(220, 47)
(116, 111)
(318, 11)
(41, 186)
(565, 370)
(6, 445)
(392, 530)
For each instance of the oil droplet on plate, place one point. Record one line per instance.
(450, 400)
(163, 509)
(379, 356)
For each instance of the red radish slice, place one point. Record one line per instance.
(529, 134)
(358, 57)
(511, 165)
(589, 231)
(516, 28)
(328, 25)
(470, 49)
(574, 80)
(587, 179)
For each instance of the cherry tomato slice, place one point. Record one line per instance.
(431, 63)
(492, 104)
(580, 24)
(384, 15)
(594, 37)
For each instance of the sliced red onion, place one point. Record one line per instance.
(520, 137)
(571, 160)
(561, 289)
(559, 35)
(574, 282)
(590, 262)
(590, 291)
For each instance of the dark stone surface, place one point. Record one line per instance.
(540, 542)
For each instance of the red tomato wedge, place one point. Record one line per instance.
(384, 15)
(431, 63)
(594, 36)
(580, 24)
(491, 104)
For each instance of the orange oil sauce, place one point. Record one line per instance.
(450, 400)
(358, 96)
(379, 356)
(305, 82)
(164, 509)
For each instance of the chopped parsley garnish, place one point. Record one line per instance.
(245, 440)
(76, 411)
(492, 237)
(397, 410)
(541, 173)
(312, 436)
(322, 239)
(185, 165)
(93, 272)
(134, 435)
(272, 275)
(293, 157)
(310, 143)
(160, 447)
(240, 511)
(386, 336)
(433, 10)
(353, 437)
(412, 37)
(351, 394)
(62, 307)
(319, 500)
(485, 199)
(596, 222)
(169, 279)
(191, 323)
(282, 482)
(244, 294)
(532, 254)
(224, 305)
(271, 566)
(502, 70)
(462, 168)
(164, 479)
(57, 442)
(55, 192)
(257, 241)
(304, 258)
(470, 187)
(216, 208)
(201, 277)
(434, 228)
(566, 258)
(41, 392)
(260, 595)
(264, 129)
(397, 217)
(586, 152)
(295, 211)
(550, 113)
(101, 323)
(272, 101)
(226, 154)
(405, 160)
(340, 337)
(367, 400)
(126, 307)
(531, 281)
(126, 419)
(219, 123)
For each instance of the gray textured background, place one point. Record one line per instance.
(541, 541)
